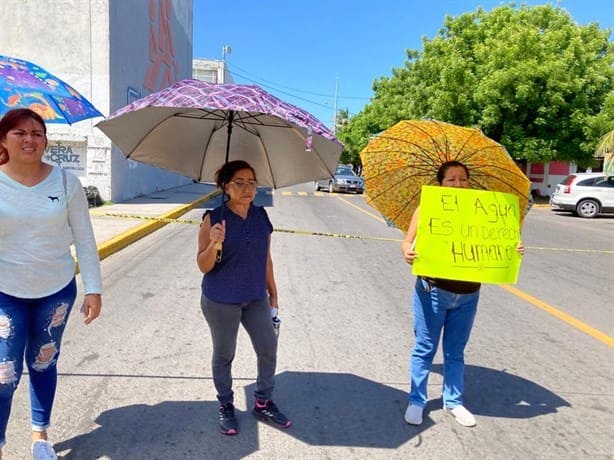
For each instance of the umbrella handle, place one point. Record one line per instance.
(218, 248)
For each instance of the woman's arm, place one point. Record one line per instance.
(271, 286)
(407, 246)
(85, 247)
(208, 236)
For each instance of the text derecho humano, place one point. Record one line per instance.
(468, 235)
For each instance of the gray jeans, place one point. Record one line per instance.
(223, 320)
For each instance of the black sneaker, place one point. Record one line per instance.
(228, 421)
(267, 411)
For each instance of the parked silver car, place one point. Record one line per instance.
(584, 194)
(345, 180)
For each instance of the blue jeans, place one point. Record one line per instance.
(436, 309)
(33, 327)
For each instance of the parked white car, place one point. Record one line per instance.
(584, 194)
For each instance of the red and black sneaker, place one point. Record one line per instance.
(267, 411)
(228, 421)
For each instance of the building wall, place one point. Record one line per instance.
(544, 177)
(211, 71)
(151, 48)
(111, 51)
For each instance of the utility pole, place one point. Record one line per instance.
(335, 107)
(225, 50)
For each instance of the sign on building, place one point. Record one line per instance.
(70, 155)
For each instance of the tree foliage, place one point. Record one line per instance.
(528, 77)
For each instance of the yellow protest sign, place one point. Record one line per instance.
(468, 235)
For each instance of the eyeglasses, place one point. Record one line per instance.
(251, 184)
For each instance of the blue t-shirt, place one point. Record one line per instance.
(241, 274)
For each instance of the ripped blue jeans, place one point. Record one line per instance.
(33, 327)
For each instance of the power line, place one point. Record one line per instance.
(295, 89)
(280, 91)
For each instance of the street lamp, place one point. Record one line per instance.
(225, 50)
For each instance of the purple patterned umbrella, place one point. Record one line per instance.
(194, 127)
(26, 85)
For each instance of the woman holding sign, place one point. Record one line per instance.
(441, 305)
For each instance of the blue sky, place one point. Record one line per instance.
(301, 50)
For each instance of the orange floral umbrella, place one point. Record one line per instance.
(397, 162)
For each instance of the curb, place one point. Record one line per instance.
(128, 237)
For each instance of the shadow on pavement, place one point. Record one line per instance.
(496, 393)
(169, 430)
(329, 409)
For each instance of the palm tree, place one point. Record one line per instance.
(605, 149)
(605, 145)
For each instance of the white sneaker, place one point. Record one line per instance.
(413, 414)
(462, 416)
(43, 450)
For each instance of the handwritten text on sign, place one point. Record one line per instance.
(468, 235)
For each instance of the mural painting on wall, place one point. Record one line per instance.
(71, 156)
(162, 64)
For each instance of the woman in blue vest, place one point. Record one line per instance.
(234, 253)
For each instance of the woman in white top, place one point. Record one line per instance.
(43, 210)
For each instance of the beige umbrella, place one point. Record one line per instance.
(194, 127)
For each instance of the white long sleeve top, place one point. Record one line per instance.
(38, 225)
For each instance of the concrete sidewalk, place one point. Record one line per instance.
(115, 229)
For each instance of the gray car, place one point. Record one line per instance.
(345, 180)
(584, 194)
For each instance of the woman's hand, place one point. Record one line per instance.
(407, 249)
(217, 233)
(520, 248)
(91, 307)
(273, 302)
(409, 243)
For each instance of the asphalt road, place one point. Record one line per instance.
(136, 384)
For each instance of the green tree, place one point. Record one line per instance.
(528, 77)
(348, 156)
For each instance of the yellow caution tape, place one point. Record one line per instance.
(157, 219)
(281, 230)
(331, 235)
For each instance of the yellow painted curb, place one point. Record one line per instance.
(122, 240)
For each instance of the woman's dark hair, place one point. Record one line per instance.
(13, 117)
(225, 173)
(443, 169)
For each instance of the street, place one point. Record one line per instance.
(136, 384)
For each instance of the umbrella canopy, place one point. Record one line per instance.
(399, 161)
(194, 127)
(26, 85)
